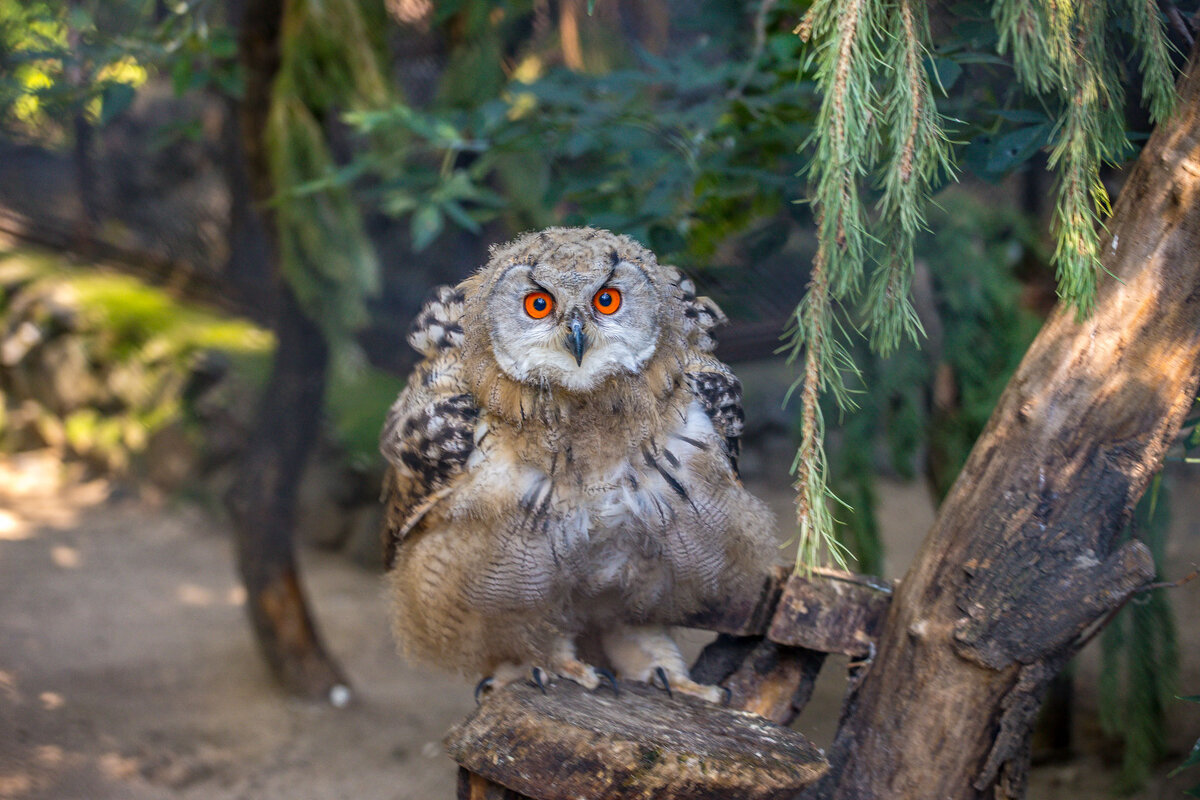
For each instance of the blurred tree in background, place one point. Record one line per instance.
(685, 126)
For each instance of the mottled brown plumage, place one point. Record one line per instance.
(566, 476)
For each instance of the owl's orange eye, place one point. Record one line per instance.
(538, 304)
(607, 300)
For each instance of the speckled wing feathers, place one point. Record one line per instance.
(701, 314)
(720, 394)
(438, 326)
(711, 381)
(430, 429)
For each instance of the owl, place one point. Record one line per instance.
(563, 468)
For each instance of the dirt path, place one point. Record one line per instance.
(127, 669)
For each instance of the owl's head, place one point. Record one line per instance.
(569, 307)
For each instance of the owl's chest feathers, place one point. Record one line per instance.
(613, 499)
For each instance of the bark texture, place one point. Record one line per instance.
(262, 501)
(569, 743)
(1023, 561)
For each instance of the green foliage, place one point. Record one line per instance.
(60, 60)
(135, 347)
(677, 152)
(324, 250)
(196, 47)
(1140, 658)
(1193, 758)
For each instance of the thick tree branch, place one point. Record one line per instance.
(1023, 560)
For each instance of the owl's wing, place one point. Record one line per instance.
(720, 395)
(430, 429)
(701, 314)
(711, 381)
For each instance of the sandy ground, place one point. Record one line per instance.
(127, 669)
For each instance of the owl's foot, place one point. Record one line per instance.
(648, 653)
(562, 663)
(610, 679)
(713, 694)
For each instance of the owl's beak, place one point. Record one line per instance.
(577, 341)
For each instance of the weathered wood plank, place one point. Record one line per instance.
(775, 681)
(832, 612)
(571, 742)
(477, 787)
(764, 678)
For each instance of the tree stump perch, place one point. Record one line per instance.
(571, 742)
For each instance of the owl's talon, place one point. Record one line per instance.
(484, 685)
(726, 695)
(661, 674)
(610, 679)
(538, 678)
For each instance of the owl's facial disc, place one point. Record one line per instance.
(573, 325)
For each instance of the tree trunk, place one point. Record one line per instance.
(1022, 564)
(262, 501)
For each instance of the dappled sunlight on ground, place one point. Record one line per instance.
(37, 489)
(127, 669)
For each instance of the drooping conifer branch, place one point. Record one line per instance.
(878, 102)
(1150, 41)
(1024, 30)
(813, 331)
(846, 132)
(919, 154)
(1090, 131)
(849, 137)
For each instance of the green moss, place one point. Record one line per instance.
(137, 316)
(140, 344)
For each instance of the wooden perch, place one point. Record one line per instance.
(570, 742)
(805, 618)
(831, 613)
